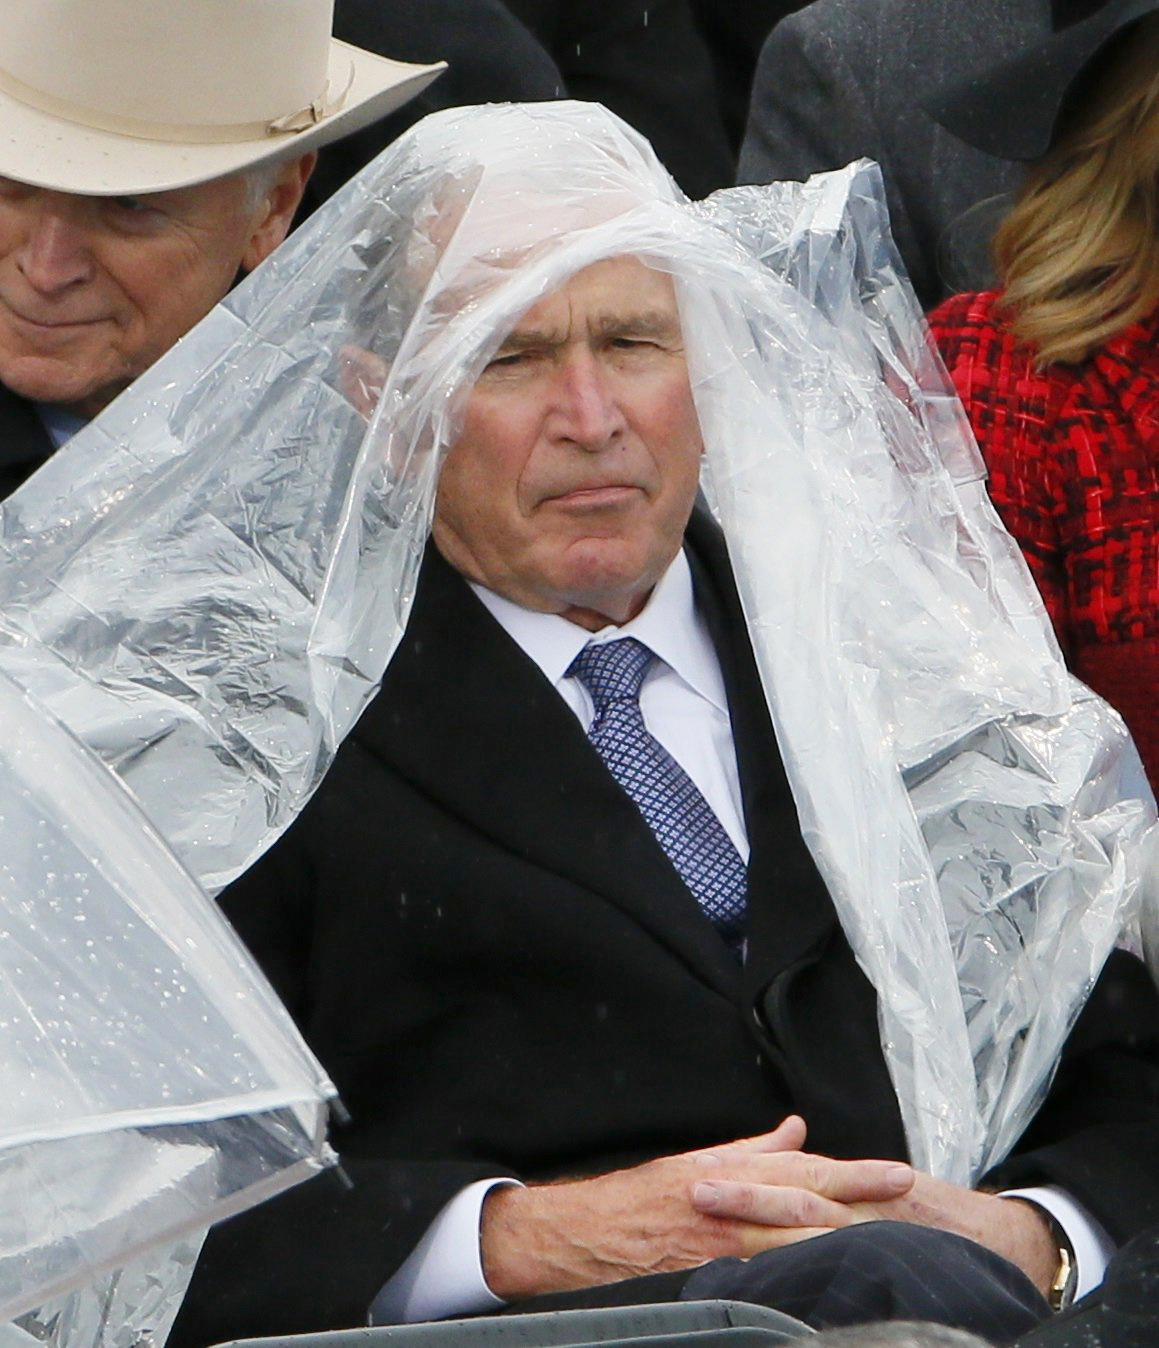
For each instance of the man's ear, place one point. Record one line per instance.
(275, 212)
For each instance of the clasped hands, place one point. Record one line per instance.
(737, 1199)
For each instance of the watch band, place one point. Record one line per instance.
(1066, 1276)
(1064, 1284)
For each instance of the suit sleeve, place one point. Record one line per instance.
(1096, 1133)
(257, 1276)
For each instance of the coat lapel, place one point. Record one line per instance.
(790, 915)
(467, 718)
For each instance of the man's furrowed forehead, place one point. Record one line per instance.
(617, 297)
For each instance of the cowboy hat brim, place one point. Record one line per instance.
(1011, 110)
(47, 150)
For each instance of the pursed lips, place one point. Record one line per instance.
(595, 496)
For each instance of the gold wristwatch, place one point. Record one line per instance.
(1064, 1284)
(1065, 1281)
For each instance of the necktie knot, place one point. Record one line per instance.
(612, 671)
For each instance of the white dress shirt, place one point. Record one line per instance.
(682, 698)
(684, 706)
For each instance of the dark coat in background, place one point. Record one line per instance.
(24, 443)
(842, 79)
(648, 62)
(735, 33)
(491, 58)
(644, 59)
(504, 974)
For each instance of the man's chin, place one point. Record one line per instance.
(609, 588)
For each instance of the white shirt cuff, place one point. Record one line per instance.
(1092, 1246)
(443, 1274)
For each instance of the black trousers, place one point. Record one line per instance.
(861, 1274)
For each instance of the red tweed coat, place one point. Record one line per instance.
(1073, 454)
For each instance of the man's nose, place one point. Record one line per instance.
(55, 253)
(588, 411)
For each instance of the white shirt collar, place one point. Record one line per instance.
(668, 624)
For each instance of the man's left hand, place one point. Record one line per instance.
(1010, 1227)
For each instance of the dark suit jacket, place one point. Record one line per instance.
(491, 954)
(24, 443)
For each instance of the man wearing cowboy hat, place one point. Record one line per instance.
(152, 150)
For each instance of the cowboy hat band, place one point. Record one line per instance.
(315, 113)
(112, 97)
(1012, 109)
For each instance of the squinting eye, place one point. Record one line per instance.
(510, 360)
(131, 205)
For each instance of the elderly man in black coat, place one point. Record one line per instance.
(551, 921)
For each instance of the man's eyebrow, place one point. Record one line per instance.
(657, 323)
(528, 339)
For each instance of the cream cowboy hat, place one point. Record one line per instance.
(116, 97)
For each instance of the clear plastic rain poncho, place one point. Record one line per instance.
(206, 585)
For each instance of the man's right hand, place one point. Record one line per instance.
(584, 1233)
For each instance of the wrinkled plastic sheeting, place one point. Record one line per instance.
(203, 587)
(210, 580)
(151, 1081)
(205, 583)
(1149, 905)
(131, 1306)
(979, 818)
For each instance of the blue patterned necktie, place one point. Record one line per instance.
(682, 820)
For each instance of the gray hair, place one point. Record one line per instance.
(259, 182)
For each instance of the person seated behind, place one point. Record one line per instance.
(840, 79)
(533, 943)
(1058, 370)
(142, 169)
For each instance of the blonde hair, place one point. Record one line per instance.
(1078, 255)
